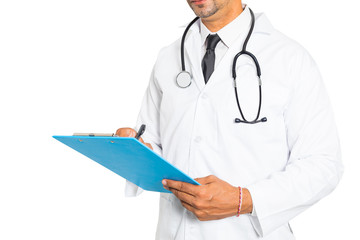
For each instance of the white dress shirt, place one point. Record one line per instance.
(227, 34)
(288, 163)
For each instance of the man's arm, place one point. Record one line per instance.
(314, 167)
(149, 115)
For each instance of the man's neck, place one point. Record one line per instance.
(223, 17)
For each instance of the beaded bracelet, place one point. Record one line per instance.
(240, 201)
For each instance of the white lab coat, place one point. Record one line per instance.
(288, 163)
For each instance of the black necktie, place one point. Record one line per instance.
(208, 61)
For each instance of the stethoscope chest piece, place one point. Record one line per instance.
(183, 79)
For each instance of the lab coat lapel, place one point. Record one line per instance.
(193, 53)
(223, 71)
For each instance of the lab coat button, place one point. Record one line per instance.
(198, 139)
(204, 96)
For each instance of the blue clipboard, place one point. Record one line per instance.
(129, 158)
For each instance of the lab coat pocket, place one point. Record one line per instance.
(247, 84)
(168, 219)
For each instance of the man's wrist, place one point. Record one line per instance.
(247, 204)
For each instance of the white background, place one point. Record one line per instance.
(83, 66)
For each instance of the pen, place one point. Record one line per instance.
(141, 131)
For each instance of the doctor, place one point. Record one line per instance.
(263, 152)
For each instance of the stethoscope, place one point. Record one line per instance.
(184, 79)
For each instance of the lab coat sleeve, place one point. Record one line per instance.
(314, 167)
(149, 115)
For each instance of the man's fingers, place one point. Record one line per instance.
(142, 141)
(183, 196)
(125, 132)
(149, 146)
(188, 206)
(206, 180)
(129, 132)
(181, 186)
(200, 214)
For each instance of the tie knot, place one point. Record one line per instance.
(212, 41)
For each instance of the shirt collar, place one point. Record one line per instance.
(231, 31)
(262, 25)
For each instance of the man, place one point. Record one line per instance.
(283, 165)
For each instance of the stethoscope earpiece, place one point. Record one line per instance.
(238, 120)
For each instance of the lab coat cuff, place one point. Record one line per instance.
(262, 219)
(254, 219)
(266, 218)
(132, 190)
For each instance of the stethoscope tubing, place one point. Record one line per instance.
(242, 52)
(252, 56)
(183, 44)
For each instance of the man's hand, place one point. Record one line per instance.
(213, 199)
(129, 132)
